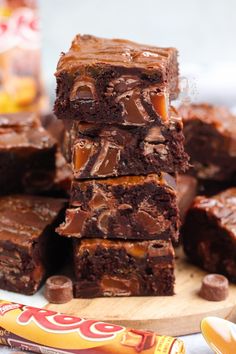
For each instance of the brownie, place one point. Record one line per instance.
(115, 81)
(210, 141)
(111, 150)
(27, 155)
(209, 233)
(131, 207)
(62, 180)
(29, 245)
(54, 126)
(123, 268)
(187, 188)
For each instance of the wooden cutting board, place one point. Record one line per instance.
(176, 315)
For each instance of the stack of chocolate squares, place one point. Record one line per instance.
(125, 145)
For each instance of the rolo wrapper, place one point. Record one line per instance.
(43, 331)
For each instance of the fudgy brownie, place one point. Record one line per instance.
(209, 233)
(130, 207)
(29, 245)
(115, 81)
(187, 188)
(27, 155)
(210, 141)
(122, 268)
(100, 151)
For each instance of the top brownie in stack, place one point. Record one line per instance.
(115, 81)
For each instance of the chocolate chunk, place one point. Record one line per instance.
(58, 289)
(215, 287)
(83, 89)
(133, 111)
(139, 340)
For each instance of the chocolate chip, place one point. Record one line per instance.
(58, 289)
(215, 287)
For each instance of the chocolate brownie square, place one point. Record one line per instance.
(110, 150)
(130, 207)
(27, 154)
(115, 81)
(210, 141)
(123, 268)
(209, 233)
(29, 245)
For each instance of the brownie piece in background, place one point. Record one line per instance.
(115, 81)
(123, 268)
(62, 180)
(209, 233)
(187, 187)
(27, 154)
(54, 126)
(130, 207)
(210, 141)
(30, 248)
(111, 150)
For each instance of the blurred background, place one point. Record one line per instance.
(203, 31)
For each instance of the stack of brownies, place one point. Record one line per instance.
(125, 145)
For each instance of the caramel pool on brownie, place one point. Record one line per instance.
(115, 81)
(123, 268)
(129, 207)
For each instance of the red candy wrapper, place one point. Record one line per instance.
(43, 331)
(20, 57)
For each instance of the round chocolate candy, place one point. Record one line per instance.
(58, 289)
(215, 287)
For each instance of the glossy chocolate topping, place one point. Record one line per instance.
(23, 130)
(23, 218)
(90, 50)
(223, 207)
